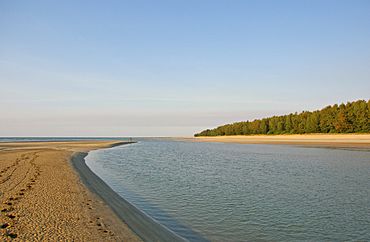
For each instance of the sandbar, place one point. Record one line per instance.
(344, 141)
(42, 196)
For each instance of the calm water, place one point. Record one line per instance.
(29, 139)
(232, 192)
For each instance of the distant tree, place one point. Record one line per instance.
(342, 123)
(313, 123)
(288, 123)
(264, 127)
(344, 118)
(359, 116)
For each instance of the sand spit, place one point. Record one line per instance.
(42, 197)
(345, 141)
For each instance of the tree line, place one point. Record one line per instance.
(352, 117)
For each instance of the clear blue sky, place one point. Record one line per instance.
(172, 68)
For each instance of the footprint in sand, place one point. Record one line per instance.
(12, 235)
(5, 225)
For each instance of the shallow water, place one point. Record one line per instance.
(42, 139)
(235, 192)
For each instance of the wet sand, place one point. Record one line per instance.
(144, 226)
(344, 141)
(43, 198)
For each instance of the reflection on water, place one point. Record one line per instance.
(234, 192)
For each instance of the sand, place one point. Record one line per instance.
(345, 141)
(43, 198)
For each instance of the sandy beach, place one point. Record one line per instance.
(43, 198)
(345, 141)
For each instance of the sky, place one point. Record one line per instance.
(173, 68)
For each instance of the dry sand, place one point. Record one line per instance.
(346, 141)
(42, 197)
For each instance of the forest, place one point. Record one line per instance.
(352, 117)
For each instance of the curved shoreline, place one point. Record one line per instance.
(43, 197)
(140, 223)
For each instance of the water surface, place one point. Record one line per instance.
(52, 139)
(236, 192)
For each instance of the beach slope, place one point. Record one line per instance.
(345, 141)
(42, 197)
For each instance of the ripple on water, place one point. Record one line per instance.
(231, 192)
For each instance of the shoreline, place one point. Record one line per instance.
(42, 196)
(339, 141)
(143, 225)
(69, 199)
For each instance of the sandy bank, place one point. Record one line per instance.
(351, 141)
(42, 197)
(144, 226)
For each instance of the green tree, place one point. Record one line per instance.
(343, 118)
